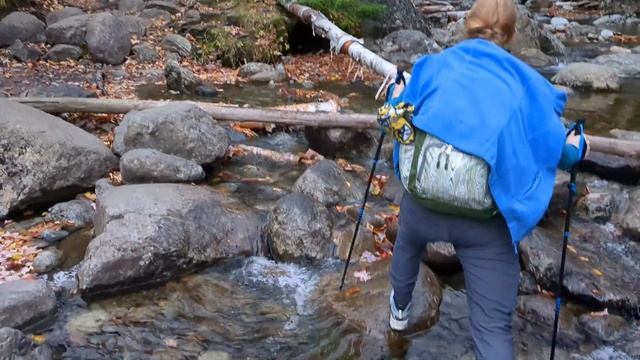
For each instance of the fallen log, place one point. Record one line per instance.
(611, 146)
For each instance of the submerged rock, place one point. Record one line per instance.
(148, 165)
(326, 182)
(368, 308)
(586, 75)
(53, 158)
(298, 229)
(26, 303)
(179, 129)
(148, 234)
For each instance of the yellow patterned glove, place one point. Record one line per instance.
(397, 121)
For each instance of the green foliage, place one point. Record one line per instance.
(346, 14)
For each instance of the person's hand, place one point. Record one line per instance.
(574, 140)
(397, 90)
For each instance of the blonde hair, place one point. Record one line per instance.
(493, 20)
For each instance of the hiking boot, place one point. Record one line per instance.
(399, 319)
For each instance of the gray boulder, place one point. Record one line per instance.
(631, 217)
(586, 75)
(47, 260)
(595, 273)
(64, 90)
(398, 15)
(106, 41)
(528, 33)
(253, 68)
(326, 182)
(61, 14)
(145, 53)
(26, 304)
(130, 6)
(298, 229)
(148, 166)
(625, 65)
(550, 44)
(405, 47)
(148, 234)
(368, 309)
(597, 205)
(155, 14)
(21, 26)
(62, 52)
(79, 212)
(177, 44)
(179, 129)
(180, 79)
(23, 52)
(53, 158)
(535, 57)
(625, 170)
(70, 31)
(135, 26)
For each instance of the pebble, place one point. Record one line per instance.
(53, 236)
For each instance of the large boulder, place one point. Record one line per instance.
(70, 31)
(405, 47)
(595, 273)
(179, 129)
(26, 304)
(326, 182)
(631, 218)
(528, 33)
(147, 234)
(586, 75)
(368, 308)
(625, 65)
(43, 158)
(298, 229)
(61, 14)
(21, 26)
(106, 40)
(148, 165)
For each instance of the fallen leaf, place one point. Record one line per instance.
(89, 195)
(172, 343)
(352, 291)
(38, 339)
(362, 275)
(597, 272)
(584, 258)
(572, 249)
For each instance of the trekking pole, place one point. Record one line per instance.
(364, 202)
(578, 128)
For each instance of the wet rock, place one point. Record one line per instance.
(550, 44)
(405, 47)
(528, 31)
(64, 90)
(135, 25)
(605, 353)
(102, 186)
(21, 26)
(42, 352)
(53, 158)
(326, 182)
(13, 343)
(540, 310)
(47, 260)
(145, 53)
(179, 78)
(253, 68)
(578, 32)
(23, 52)
(179, 129)
(70, 31)
(441, 256)
(163, 5)
(61, 14)
(147, 234)
(298, 229)
(63, 52)
(368, 309)
(106, 41)
(26, 303)
(51, 236)
(612, 167)
(148, 166)
(606, 35)
(206, 90)
(177, 44)
(597, 206)
(559, 23)
(607, 328)
(345, 143)
(631, 218)
(596, 272)
(528, 285)
(131, 6)
(156, 14)
(626, 65)
(342, 234)
(535, 57)
(586, 75)
(79, 212)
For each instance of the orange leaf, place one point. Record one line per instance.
(352, 291)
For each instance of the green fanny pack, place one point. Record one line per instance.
(444, 179)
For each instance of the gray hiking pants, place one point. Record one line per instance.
(490, 264)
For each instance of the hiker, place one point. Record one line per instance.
(480, 144)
